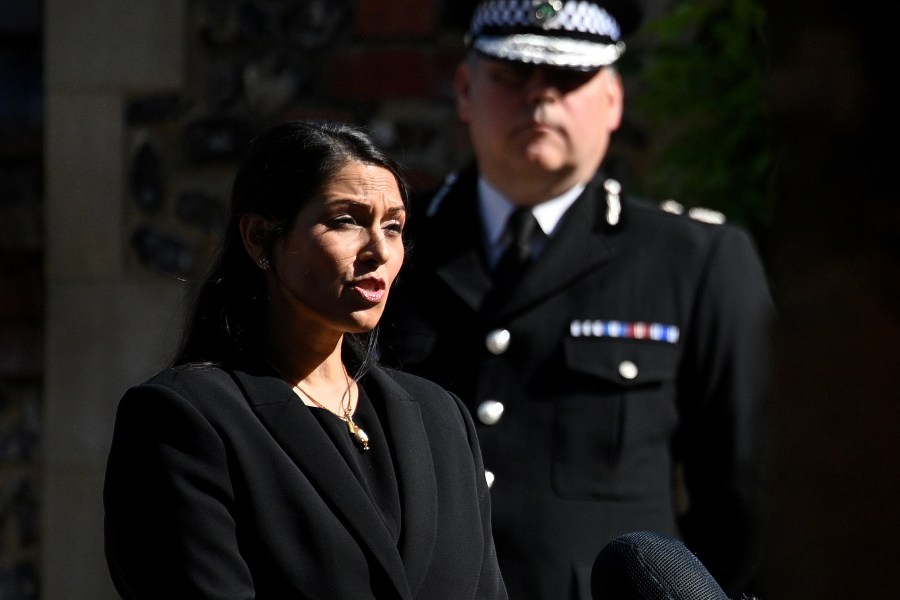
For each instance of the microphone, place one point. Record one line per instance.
(644, 565)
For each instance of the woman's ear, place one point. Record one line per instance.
(255, 230)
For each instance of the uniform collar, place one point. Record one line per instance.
(494, 209)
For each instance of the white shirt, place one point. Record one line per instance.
(495, 209)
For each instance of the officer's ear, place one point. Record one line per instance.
(614, 97)
(255, 233)
(462, 86)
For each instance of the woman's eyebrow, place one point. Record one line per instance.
(348, 203)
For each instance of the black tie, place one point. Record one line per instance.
(519, 228)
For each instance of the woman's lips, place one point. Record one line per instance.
(371, 289)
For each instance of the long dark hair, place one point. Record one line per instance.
(283, 168)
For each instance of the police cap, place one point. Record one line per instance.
(568, 34)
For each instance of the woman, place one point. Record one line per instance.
(275, 459)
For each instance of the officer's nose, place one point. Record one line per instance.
(541, 88)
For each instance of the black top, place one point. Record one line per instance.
(373, 467)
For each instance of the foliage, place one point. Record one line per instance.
(700, 90)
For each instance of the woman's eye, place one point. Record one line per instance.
(341, 221)
(394, 228)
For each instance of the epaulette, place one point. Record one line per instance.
(698, 213)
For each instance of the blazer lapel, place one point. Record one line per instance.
(295, 430)
(467, 277)
(454, 242)
(413, 458)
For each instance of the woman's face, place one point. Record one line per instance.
(335, 266)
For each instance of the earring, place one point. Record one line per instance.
(264, 263)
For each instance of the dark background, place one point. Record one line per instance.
(835, 478)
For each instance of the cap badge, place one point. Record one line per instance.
(544, 14)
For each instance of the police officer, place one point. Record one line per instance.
(617, 371)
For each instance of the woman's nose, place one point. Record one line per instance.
(376, 246)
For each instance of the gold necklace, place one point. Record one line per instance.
(359, 435)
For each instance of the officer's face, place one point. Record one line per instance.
(530, 122)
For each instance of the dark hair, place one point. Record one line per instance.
(283, 168)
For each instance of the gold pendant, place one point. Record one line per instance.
(362, 439)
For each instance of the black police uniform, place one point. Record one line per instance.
(633, 349)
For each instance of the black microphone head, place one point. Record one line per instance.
(644, 565)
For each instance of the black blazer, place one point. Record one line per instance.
(601, 412)
(222, 484)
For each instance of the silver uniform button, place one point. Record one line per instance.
(628, 369)
(490, 411)
(489, 477)
(497, 341)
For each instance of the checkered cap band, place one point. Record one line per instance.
(582, 19)
(572, 34)
(554, 52)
